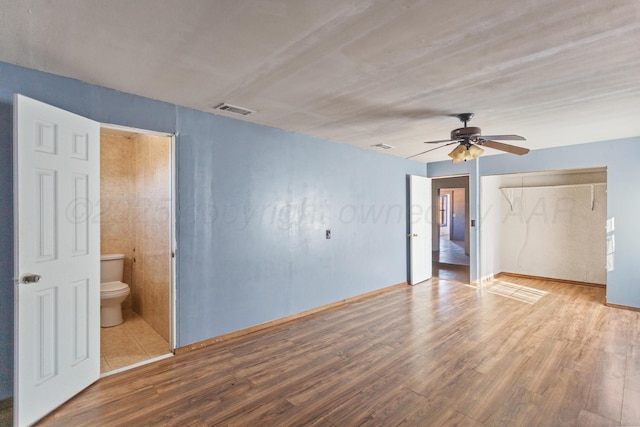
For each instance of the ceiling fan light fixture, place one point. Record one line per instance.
(458, 153)
(461, 153)
(475, 151)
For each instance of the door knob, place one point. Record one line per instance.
(412, 235)
(31, 278)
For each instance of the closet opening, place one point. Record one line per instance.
(550, 225)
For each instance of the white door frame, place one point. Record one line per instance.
(452, 181)
(173, 295)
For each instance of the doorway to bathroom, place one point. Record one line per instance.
(136, 220)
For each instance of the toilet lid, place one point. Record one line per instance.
(113, 287)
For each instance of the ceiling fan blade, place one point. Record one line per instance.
(503, 147)
(442, 140)
(436, 148)
(504, 137)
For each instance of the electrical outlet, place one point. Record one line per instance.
(328, 234)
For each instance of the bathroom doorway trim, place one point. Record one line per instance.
(172, 169)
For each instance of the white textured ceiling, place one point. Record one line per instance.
(354, 71)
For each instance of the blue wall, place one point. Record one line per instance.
(253, 206)
(623, 198)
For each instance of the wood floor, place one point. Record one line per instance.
(440, 353)
(451, 252)
(459, 273)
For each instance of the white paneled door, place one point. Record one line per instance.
(57, 255)
(419, 229)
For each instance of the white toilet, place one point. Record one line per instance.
(112, 291)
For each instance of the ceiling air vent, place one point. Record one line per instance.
(234, 109)
(384, 146)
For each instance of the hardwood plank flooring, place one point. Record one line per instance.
(461, 273)
(451, 252)
(440, 353)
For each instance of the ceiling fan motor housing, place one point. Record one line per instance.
(465, 133)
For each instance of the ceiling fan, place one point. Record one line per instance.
(470, 139)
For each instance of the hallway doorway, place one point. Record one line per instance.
(452, 227)
(451, 251)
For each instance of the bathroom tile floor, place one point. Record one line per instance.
(130, 342)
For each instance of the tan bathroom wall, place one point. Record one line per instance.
(152, 219)
(117, 191)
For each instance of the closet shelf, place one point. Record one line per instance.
(552, 186)
(510, 194)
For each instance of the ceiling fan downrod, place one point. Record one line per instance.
(465, 117)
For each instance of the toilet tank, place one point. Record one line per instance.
(111, 267)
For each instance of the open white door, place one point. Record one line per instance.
(57, 255)
(419, 229)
